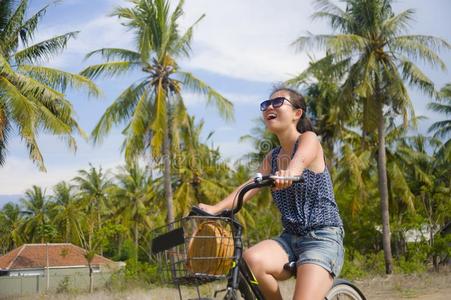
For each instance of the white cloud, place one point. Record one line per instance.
(102, 32)
(29, 175)
(249, 39)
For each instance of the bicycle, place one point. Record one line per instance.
(173, 246)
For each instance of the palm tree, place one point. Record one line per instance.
(371, 47)
(36, 226)
(321, 84)
(10, 227)
(442, 129)
(67, 211)
(147, 106)
(94, 187)
(31, 95)
(262, 141)
(133, 197)
(199, 172)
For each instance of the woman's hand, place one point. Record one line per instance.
(280, 184)
(211, 209)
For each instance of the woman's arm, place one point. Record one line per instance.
(230, 201)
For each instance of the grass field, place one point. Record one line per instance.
(430, 286)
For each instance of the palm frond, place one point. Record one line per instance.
(330, 11)
(397, 24)
(224, 106)
(26, 31)
(60, 80)
(15, 21)
(109, 69)
(24, 113)
(120, 110)
(160, 119)
(417, 78)
(45, 50)
(182, 45)
(116, 54)
(6, 7)
(420, 47)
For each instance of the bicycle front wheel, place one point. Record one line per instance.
(342, 291)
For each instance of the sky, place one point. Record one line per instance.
(241, 48)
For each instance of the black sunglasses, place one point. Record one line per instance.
(276, 102)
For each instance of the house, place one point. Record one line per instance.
(34, 268)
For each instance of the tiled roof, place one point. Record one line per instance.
(30, 256)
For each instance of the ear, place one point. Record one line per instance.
(298, 114)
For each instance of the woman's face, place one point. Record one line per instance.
(282, 117)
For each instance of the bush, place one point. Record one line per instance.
(135, 274)
(357, 265)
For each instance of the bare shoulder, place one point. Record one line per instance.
(311, 150)
(309, 137)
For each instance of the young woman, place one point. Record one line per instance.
(312, 228)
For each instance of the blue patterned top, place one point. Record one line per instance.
(307, 205)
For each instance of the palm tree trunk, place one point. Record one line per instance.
(383, 191)
(91, 279)
(135, 229)
(67, 230)
(99, 224)
(167, 175)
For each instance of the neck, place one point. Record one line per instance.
(287, 139)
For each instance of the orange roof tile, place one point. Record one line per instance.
(30, 256)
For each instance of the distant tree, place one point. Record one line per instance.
(132, 197)
(10, 227)
(37, 226)
(67, 212)
(94, 186)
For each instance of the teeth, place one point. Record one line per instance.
(271, 116)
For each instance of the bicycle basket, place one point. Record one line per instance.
(197, 250)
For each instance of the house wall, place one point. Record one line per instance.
(60, 280)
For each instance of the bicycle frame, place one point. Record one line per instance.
(240, 272)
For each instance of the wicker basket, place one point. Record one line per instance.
(210, 249)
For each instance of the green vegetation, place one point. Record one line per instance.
(357, 96)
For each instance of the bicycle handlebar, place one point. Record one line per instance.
(258, 182)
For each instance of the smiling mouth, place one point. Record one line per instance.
(271, 116)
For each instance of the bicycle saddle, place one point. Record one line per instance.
(291, 268)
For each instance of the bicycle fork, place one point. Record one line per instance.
(240, 266)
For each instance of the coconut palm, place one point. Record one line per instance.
(321, 85)
(133, 199)
(199, 172)
(10, 227)
(442, 129)
(37, 226)
(67, 212)
(31, 95)
(146, 106)
(94, 187)
(372, 48)
(262, 141)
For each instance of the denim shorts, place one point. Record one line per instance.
(322, 246)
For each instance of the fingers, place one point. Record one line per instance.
(280, 184)
(207, 208)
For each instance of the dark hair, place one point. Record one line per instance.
(304, 123)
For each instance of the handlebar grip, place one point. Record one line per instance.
(196, 211)
(259, 178)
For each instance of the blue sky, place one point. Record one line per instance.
(241, 48)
